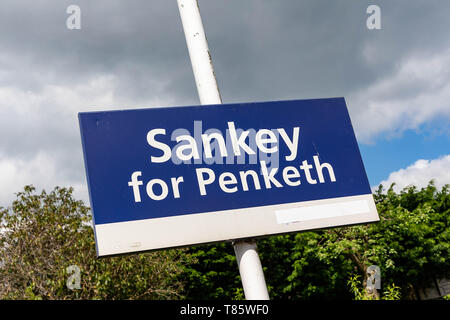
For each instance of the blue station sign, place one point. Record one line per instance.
(168, 177)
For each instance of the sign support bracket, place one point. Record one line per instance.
(250, 268)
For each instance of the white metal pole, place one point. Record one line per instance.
(201, 61)
(250, 268)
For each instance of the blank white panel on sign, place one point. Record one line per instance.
(323, 211)
(233, 224)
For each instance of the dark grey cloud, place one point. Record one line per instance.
(138, 41)
(262, 49)
(295, 49)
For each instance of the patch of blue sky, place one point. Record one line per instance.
(389, 154)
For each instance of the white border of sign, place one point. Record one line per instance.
(150, 234)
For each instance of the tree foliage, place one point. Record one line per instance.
(213, 274)
(43, 234)
(410, 244)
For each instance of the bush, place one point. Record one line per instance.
(44, 234)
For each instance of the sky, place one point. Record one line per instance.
(133, 54)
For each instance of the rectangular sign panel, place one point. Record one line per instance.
(167, 177)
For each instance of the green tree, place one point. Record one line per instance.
(43, 234)
(410, 244)
(214, 273)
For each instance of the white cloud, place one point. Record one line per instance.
(40, 139)
(420, 173)
(418, 91)
(42, 171)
